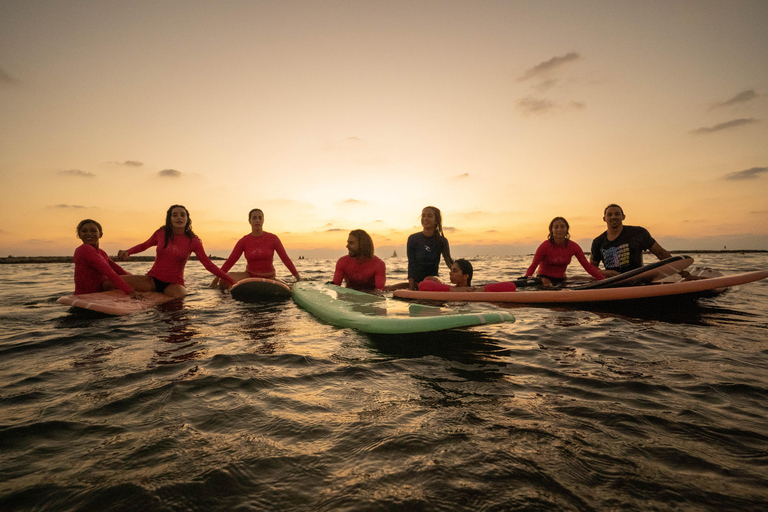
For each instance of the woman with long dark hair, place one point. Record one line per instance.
(175, 241)
(427, 247)
(553, 255)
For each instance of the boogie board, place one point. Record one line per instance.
(256, 289)
(646, 274)
(114, 302)
(682, 288)
(346, 307)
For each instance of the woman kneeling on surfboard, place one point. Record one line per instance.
(259, 247)
(461, 277)
(94, 270)
(175, 242)
(553, 255)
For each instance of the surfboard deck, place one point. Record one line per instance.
(566, 295)
(346, 307)
(257, 289)
(655, 271)
(114, 302)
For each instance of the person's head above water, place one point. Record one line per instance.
(360, 244)
(461, 272)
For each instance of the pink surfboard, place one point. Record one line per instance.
(114, 302)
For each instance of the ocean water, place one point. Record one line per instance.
(211, 404)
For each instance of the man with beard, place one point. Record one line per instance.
(621, 247)
(360, 269)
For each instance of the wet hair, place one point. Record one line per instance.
(466, 268)
(551, 237)
(364, 243)
(254, 210)
(168, 228)
(613, 205)
(88, 221)
(440, 235)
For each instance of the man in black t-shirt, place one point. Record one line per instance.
(621, 247)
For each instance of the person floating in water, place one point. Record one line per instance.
(461, 276)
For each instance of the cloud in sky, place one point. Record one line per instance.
(68, 206)
(354, 202)
(742, 97)
(6, 79)
(77, 173)
(747, 174)
(462, 176)
(724, 126)
(535, 106)
(130, 163)
(169, 173)
(548, 65)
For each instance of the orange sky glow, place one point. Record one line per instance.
(338, 115)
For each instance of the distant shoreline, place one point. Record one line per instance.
(68, 259)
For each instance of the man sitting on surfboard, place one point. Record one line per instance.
(621, 247)
(360, 269)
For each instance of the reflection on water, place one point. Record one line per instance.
(212, 404)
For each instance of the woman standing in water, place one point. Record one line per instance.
(259, 247)
(553, 255)
(427, 247)
(175, 242)
(94, 270)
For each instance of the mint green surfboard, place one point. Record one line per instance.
(346, 307)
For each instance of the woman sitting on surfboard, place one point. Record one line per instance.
(94, 270)
(175, 242)
(461, 277)
(259, 248)
(425, 248)
(553, 256)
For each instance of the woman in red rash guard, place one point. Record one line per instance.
(94, 270)
(259, 248)
(175, 242)
(553, 255)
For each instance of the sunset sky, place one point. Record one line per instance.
(338, 115)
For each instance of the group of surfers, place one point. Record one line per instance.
(620, 249)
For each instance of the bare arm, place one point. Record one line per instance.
(659, 251)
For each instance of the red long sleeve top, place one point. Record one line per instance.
(259, 252)
(92, 267)
(171, 259)
(552, 260)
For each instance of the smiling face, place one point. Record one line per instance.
(353, 246)
(559, 230)
(614, 217)
(179, 219)
(90, 234)
(428, 218)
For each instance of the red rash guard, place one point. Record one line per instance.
(552, 260)
(371, 273)
(259, 252)
(170, 260)
(92, 267)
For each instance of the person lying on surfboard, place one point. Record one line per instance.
(259, 248)
(461, 276)
(360, 269)
(94, 270)
(175, 241)
(621, 247)
(553, 256)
